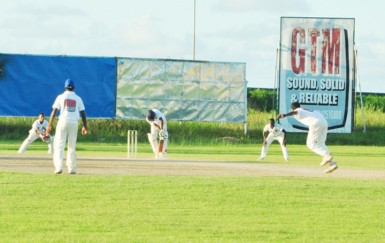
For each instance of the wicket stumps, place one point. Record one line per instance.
(132, 143)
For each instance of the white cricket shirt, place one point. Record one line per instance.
(40, 127)
(275, 131)
(159, 115)
(69, 105)
(309, 118)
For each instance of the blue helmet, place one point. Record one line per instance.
(69, 84)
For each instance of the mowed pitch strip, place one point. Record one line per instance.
(176, 167)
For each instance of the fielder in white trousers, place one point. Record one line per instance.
(272, 132)
(37, 131)
(71, 108)
(31, 138)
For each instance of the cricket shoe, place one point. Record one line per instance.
(261, 158)
(58, 172)
(161, 156)
(331, 168)
(326, 159)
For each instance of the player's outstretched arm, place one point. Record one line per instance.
(292, 113)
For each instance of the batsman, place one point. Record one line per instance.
(158, 123)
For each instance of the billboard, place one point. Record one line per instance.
(316, 69)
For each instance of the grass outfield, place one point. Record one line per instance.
(133, 208)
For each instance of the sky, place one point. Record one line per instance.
(246, 31)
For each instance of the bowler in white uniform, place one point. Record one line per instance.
(316, 137)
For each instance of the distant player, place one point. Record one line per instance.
(71, 108)
(271, 132)
(37, 131)
(316, 137)
(158, 123)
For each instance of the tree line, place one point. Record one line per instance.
(267, 100)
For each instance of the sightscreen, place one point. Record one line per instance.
(183, 90)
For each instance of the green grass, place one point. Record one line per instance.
(49, 208)
(205, 133)
(132, 208)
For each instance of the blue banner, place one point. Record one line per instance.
(29, 84)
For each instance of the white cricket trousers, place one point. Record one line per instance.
(65, 130)
(154, 134)
(269, 140)
(316, 138)
(32, 137)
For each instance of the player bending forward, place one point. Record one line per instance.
(271, 132)
(158, 124)
(38, 131)
(316, 137)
